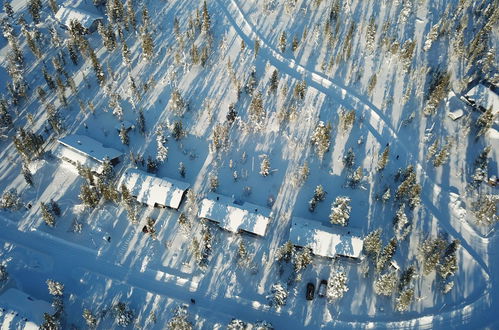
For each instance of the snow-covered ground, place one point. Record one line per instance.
(362, 68)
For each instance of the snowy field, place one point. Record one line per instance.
(262, 102)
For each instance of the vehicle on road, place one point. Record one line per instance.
(310, 291)
(322, 288)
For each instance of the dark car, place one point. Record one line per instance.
(322, 288)
(310, 291)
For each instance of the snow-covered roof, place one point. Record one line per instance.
(325, 241)
(234, 217)
(21, 311)
(152, 190)
(90, 147)
(66, 14)
(69, 154)
(485, 97)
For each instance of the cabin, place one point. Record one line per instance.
(21, 311)
(325, 241)
(235, 217)
(90, 21)
(153, 191)
(86, 151)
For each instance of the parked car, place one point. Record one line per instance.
(310, 291)
(322, 288)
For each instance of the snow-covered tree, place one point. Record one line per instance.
(448, 265)
(90, 318)
(407, 276)
(28, 177)
(4, 275)
(162, 152)
(178, 130)
(386, 255)
(383, 159)
(47, 215)
(10, 200)
(213, 181)
(349, 158)
(147, 45)
(34, 8)
(285, 252)
(89, 195)
(179, 321)
(386, 195)
(125, 53)
(206, 18)
(124, 135)
(274, 81)
(485, 121)
(429, 253)
(265, 166)
(320, 138)
(50, 322)
(485, 209)
(386, 284)
(282, 42)
(372, 243)
(8, 8)
(257, 112)
(404, 300)
(336, 286)
(278, 295)
(236, 324)
(302, 259)
(356, 177)
(55, 288)
(340, 211)
(400, 222)
(122, 314)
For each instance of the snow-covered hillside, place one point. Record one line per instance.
(372, 121)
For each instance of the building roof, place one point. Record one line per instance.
(21, 311)
(326, 241)
(234, 217)
(89, 147)
(456, 114)
(66, 14)
(152, 190)
(485, 97)
(69, 154)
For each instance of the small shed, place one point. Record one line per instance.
(86, 151)
(88, 20)
(455, 115)
(154, 191)
(325, 241)
(245, 217)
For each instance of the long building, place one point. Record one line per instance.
(86, 151)
(235, 217)
(153, 191)
(325, 241)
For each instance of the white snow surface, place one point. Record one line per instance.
(66, 14)
(17, 305)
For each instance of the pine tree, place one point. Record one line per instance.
(53, 6)
(407, 276)
(387, 255)
(147, 45)
(50, 322)
(179, 320)
(123, 315)
(356, 177)
(265, 166)
(213, 182)
(383, 159)
(124, 135)
(336, 286)
(282, 42)
(400, 222)
(302, 259)
(432, 150)
(349, 158)
(485, 121)
(8, 8)
(294, 45)
(5, 117)
(28, 177)
(386, 284)
(152, 165)
(429, 253)
(404, 300)
(130, 14)
(274, 81)
(4, 275)
(47, 216)
(340, 211)
(89, 196)
(55, 288)
(285, 252)
(90, 319)
(278, 295)
(34, 8)
(206, 18)
(54, 119)
(178, 130)
(321, 137)
(372, 243)
(257, 112)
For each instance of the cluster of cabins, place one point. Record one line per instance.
(229, 214)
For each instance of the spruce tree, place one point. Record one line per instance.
(340, 211)
(336, 286)
(383, 159)
(386, 284)
(265, 166)
(47, 216)
(34, 8)
(282, 42)
(206, 18)
(8, 8)
(124, 135)
(274, 81)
